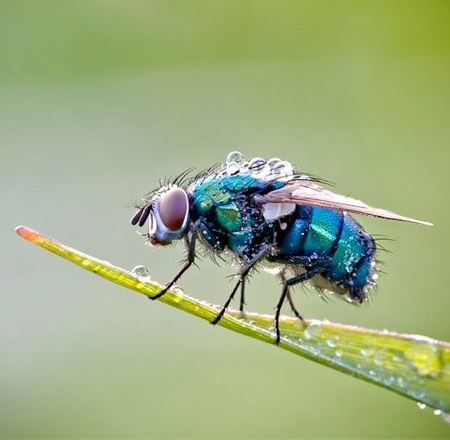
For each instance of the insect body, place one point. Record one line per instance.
(261, 212)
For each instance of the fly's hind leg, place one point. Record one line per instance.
(246, 268)
(286, 293)
(242, 302)
(293, 308)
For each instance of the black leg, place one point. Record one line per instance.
(277, 313)
(230, 298)
(285, 292)
(293, 308)
(289, 297)
(244, 273)
(190, 259)
(242, 303)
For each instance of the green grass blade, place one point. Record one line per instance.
(414, 366)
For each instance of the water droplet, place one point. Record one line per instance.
(257, 165)
(180, 291)
(141, 273)
(400, 382)
(446, 417)
(314, 348)
(273, 270)
(274, 161)
(421, 405)
(378, 358)
(282, 169)
(272, 329)
(437, 412)
(367, 351)
(332, 342)
(390, 380)
(419, 395)
(373, 373)
(235, 157)
(312, 331)
(338, 353)
(232, 169)
(425, 358)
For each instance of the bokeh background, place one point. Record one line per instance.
(101, 99)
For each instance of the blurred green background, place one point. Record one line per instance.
(101, 99)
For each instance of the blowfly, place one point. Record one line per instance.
(261, 212)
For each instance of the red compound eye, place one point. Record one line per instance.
(173, 208)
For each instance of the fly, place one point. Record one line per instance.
(264, 213)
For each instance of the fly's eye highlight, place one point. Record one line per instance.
(174, 208)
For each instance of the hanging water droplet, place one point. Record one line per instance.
(421, 405)
(437, 412)
(273, 270)
(446, 417)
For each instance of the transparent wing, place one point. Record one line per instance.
(308, 193)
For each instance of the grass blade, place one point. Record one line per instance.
(414, 366)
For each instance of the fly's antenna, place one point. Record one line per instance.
(141, 216)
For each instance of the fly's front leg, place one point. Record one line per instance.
(285, 293)
(246, 268)
(190, 245)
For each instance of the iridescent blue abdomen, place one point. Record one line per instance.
(314, 236)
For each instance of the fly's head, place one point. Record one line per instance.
(167, 212)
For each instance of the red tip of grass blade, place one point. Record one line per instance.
(28, 234)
